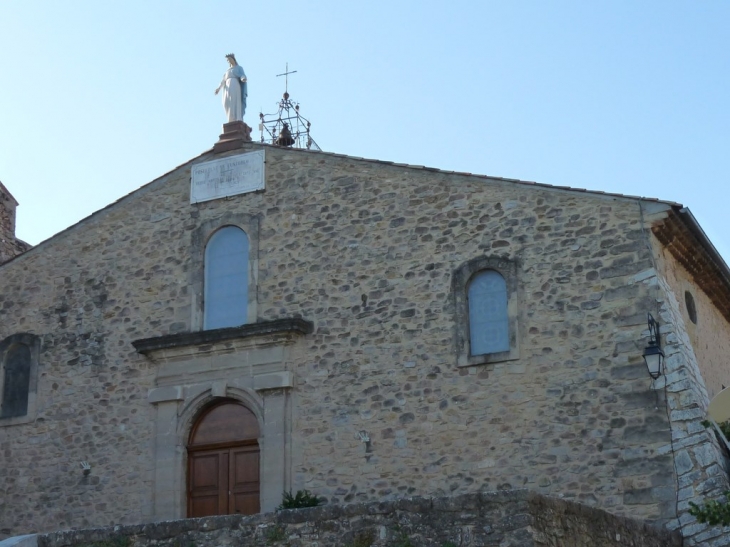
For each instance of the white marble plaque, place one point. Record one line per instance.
(227, 177)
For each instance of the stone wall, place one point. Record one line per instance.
(10, 246)
(504, 519)
(700, 464)
(379, 408)
(710, 335)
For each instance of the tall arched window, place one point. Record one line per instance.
(226, 279)
(488, 317)
(16, 381)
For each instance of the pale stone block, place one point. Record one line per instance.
(260, 356)
(218, 389)
(683, 462)
(273, 380)
(179, 368)
(193, 391)
(161, 394)
(243, 382)
(642, 276)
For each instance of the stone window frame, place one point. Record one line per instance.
(200, 237)
(33, 342)
(463, 275)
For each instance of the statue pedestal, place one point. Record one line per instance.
(234, 135)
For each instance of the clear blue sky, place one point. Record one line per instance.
(99, 98)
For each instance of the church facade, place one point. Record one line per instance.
(363, 330)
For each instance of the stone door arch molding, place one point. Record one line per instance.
(177, 409)
(252, 364)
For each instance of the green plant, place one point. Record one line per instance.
(303, 498)
(724, 427)
(712, 512)
(363, 539)
(274, 534)
(401, 539)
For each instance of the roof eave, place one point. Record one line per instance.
(691, 222)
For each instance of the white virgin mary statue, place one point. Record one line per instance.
(235, 90)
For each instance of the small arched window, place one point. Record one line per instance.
(488, 317)
(16, 381)
(689, 301)
(486, 311)
(226, 279)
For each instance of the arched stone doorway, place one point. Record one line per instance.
(223, 462)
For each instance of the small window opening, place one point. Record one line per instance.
(691, 308)
(16, 381)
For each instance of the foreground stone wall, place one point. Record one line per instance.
(379, 408)
(505, 519)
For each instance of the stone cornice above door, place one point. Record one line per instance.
(182, 346)
(257, 355)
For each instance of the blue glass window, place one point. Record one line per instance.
(226, 279)
(16, 382)
(488, 321)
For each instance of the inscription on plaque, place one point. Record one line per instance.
(227, 177)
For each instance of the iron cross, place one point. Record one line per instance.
(286, 85)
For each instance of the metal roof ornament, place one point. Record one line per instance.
(287, 127)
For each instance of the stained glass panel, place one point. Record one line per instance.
(226, 279)
(488, 320)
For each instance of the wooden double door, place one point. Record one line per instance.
(223, 462)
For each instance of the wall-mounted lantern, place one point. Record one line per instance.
(653, 354)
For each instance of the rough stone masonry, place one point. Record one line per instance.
(372, 405)
(510, 518)
(10, 246)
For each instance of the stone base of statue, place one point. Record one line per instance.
(233, 136)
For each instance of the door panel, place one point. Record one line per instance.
(244, 480)
(208, 476)
(204, 506)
